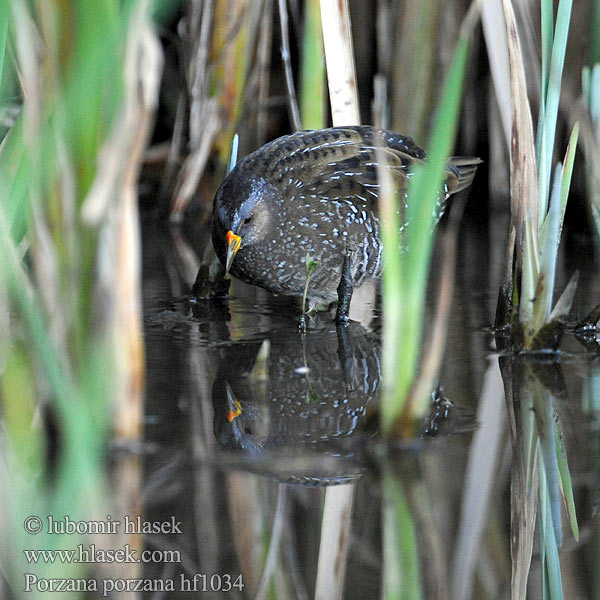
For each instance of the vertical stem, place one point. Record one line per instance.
(333, 548)
(312, 76)
(287, 67)
(339, 55)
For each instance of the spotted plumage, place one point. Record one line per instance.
(315, 193)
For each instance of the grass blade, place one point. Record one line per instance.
(565, 477)
(403, 304)
(401, 570)
(3, 39)
(552, 579)
(544, 414)
(552, 97)
(549, 238)
(312, 75)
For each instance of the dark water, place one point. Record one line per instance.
(252, 426)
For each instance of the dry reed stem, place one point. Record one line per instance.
(335, 539)
(337, 510)
(497, 48)
(112, 203)
(143, 67)
(264, 63)
(203, 111)
(248, 531)
(524, 207)
(523, 509)
(339, 57)
(193, 167)
(274, 542)
(481, 475)
(523, 172)
(294, 112)
(199, 25)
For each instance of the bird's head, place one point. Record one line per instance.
(242, 215)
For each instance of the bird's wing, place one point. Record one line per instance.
(341, 162)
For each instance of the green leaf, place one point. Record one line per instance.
(311, 265)
(548, 542)
(312, 73)
(552, 97)
(544, 410)
(401, 564)
(565, 476)
(548, 242)
(406, 273)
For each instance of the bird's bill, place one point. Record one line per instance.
(233, 245)
(233, 404)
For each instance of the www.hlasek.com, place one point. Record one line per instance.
(92, 554)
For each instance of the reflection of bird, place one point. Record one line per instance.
(314, 193)
(314, 391)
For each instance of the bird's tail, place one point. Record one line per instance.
(466, 166)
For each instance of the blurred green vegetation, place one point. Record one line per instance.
(64, 365)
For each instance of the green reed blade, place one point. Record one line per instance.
(549, 238)
(565, 477)
(548, 542)
(552, 97)
(594, 95)
(312, 73)
(544, 413)
(546, 22)
(546, 25)
(412, 266)
(3, 39)
(401, 564)
(568, 172)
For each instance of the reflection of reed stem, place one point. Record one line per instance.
(335, 535)
(271, 561)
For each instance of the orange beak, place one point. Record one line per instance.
(235, 412)
(234, 405)
(233, 245)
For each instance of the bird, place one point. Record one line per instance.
(312, 197)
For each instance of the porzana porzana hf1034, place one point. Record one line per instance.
(314, 193)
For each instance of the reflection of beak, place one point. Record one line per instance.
(233, 245)
(233, 404)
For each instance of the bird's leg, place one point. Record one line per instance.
(344, 352)
(344, 291)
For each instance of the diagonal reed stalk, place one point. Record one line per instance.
(406, 273)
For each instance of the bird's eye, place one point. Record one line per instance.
(247, 220)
